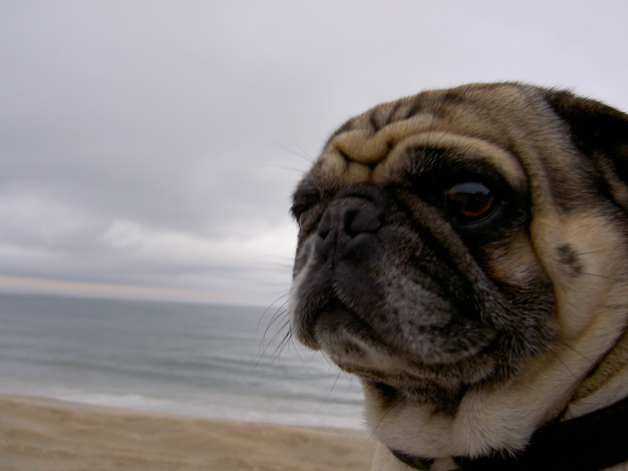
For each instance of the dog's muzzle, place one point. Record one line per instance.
(345, 250)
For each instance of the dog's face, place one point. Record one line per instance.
(455, 249)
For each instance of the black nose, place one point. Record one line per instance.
(350, 220)
(349, 225)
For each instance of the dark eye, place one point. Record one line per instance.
(469, 201)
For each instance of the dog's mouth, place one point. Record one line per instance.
(423, 361)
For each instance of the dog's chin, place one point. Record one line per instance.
(436, 368)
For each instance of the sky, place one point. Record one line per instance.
(154, 145)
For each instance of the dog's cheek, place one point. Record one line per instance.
(407, 286)
(584, 256)
(514, 263)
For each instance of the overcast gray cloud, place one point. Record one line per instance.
(157, 143)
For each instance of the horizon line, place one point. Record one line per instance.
(112, 289)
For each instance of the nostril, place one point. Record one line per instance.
(361, 220)
(324, 227)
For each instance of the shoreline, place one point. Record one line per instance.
(258, 410)
(48, 434)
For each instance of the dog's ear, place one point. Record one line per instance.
(600, 132)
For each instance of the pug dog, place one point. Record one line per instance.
(464, 253)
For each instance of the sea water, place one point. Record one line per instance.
(193, 359)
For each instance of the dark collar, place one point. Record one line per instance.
(588, 443)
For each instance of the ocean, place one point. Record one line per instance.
(170, 357)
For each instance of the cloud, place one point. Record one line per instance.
(157, 143)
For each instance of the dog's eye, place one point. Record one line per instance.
(469, 201)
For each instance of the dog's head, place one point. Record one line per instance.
(463, 252)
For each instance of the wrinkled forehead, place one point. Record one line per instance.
(484, 123)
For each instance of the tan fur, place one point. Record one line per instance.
(588, 368)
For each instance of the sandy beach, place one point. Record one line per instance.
(44, 434)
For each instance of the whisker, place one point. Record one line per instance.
(279, 314)
(303, 360)
(304, 155)
(280, 347)
(565, 365)
(283, 344)
(329, 362)
(591, 362)
(330, 391)
(350, 378)
(612, 249)
(286, 167)
(271, 305)
(372, 435)
(274, 319)
(281, 311)
(596, 275)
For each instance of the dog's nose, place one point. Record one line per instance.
(349, 222)
(349, 219)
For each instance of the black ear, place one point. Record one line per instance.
(600, 132)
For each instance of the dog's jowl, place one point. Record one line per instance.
(464, 252)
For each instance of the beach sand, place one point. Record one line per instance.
(44, 434)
